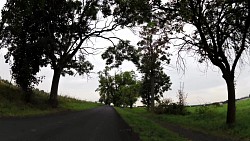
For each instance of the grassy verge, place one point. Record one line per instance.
(12, 103)
(147, 129)
(209, 119)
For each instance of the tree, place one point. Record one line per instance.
(153, 47)
(128, 87)
(105, 87)
(162, 84)
(220, 35)
(21, 45)
(120, 89)
(181, 99)
(63, 27)
(149, 57)
(130, 93)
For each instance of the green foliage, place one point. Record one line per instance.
(204, 112)
(149, 58)
(105, 87)
(121, 89)
(130, 93)
(161, 84)
(166, 106)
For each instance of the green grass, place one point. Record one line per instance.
(211, 120)
(12, 103)
(147, 129)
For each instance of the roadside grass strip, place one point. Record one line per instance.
(147, 129)
(12, 103)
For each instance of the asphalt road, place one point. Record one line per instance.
(99, 124)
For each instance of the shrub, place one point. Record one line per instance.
(204, 112)
(168, 107)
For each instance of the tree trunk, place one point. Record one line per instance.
(152, 90)
(231, 108)
(54, 88)
(28, 94)
(131, 105)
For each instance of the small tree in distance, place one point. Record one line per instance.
(181, 99)
(121, 89)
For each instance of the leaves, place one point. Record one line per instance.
(148, 57)
(119, 89)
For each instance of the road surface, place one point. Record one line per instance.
(99, 124)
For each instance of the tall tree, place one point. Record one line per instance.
(21, 44)
(63, 27)
(220, 35)
(153, 49)
(149, 57)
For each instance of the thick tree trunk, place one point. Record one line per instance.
(231, 108)
(54, 88)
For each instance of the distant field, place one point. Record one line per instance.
(209, 119)
(13, 105)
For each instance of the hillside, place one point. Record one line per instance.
(12, 102)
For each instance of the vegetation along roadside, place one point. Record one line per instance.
(204, 119)
(13, 105)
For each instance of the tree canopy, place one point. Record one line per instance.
(61, 30)
(149, 56)
(121, 89)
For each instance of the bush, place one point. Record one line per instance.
(6, 82)
(163, 106)
(204, 111)
(168, 107)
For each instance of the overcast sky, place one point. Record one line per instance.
(201, 85)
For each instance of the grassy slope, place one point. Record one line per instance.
(13, 105)
(211, 121)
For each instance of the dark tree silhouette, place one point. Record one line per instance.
(220, 34)
(62, 29)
